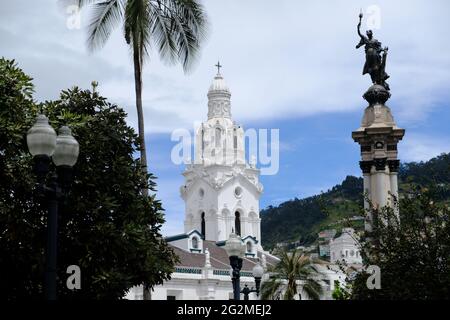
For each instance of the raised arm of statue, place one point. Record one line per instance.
(359, 30)
(363, 38)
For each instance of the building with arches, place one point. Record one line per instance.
(221, 192)
(345, 249)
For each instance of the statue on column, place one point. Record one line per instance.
(375, 62)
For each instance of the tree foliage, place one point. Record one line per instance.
(106, 225)
(341, 292)
(293, 266)
(413, 252)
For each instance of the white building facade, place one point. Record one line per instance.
(345, 248)
(221, 194)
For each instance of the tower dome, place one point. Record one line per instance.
(219, 104)
(218, 85)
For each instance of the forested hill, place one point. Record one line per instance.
(299, 220)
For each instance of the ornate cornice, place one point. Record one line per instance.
(217, 179)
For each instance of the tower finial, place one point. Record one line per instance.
(218, 65)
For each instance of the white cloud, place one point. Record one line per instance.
(281, 59)
(422, 147)
(295, 58)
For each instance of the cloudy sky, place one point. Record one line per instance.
(291, 65)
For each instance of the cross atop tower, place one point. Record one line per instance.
(218, 65)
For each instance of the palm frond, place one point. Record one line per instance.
(163, 35)
(138, 26)
(294, 266)
(83, 3)
(106, 15)
(312, 288)
(186, 24)
(270, 289)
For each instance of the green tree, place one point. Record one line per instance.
(106, 225)
(413, 252)
(341, 293)
(292, 267)
(175, 27)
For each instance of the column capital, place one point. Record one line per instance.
(366, 166)
(380, 163)
(393, 165)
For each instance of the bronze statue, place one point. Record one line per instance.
(375, 63)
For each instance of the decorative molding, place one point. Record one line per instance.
(376, 94)
(189, 270)
(393, 165)
(379, 145)
(217, 179)
(366, 166)
(392, 147)
(380, 163)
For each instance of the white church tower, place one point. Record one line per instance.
(221, 191)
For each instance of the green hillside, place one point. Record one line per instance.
(300, 220)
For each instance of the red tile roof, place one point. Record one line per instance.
(218, 256)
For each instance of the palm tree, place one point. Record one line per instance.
(175, 27)
(293, 266)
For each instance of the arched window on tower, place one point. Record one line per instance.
(249, 247)
(194, 243)
(237, 223)
(203, 226)
(218, 137)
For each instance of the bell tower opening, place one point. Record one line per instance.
(203, 225)
(237, 222)
(218, 137)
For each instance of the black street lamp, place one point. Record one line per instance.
(63, 149)
(258, 272)
(235, 250)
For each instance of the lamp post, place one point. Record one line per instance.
(258, 272)
(235, 250)
(43, 144)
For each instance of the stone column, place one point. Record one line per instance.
(378, 136)
(366, 167)
(393, 176)
(222, 233)
(382, 183)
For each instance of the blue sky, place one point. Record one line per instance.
(317, 153)
(292, 66)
